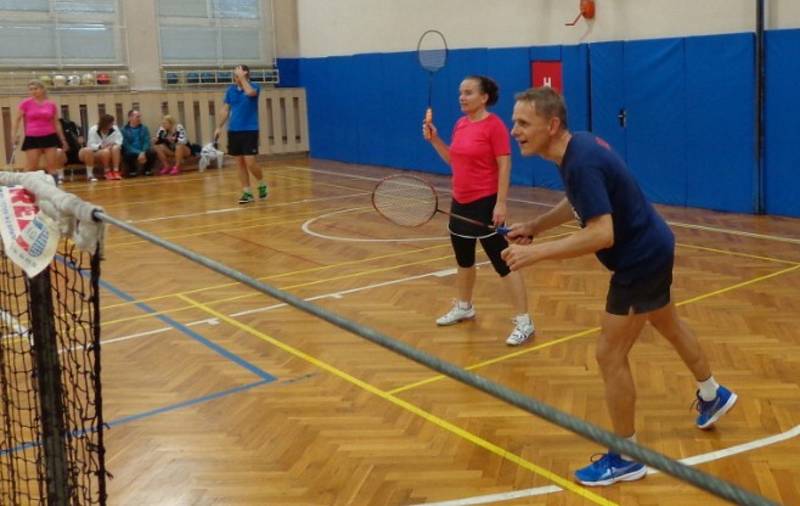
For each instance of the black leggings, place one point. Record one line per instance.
(464, 247)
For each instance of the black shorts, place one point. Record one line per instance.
(42, 142)
(641, 295)
(243, 143)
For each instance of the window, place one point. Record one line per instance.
(216, 32)
(60, 32)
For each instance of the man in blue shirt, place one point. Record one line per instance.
(633, 241)
(136, 149)
(241, 106)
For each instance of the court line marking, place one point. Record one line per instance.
(217, 348)
(285, 274)
(243, 208)
(412, 408)
(307, 229)
(705, 228)
(592, 330)
(689, 461)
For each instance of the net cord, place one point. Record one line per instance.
(73, 216)
(700, 479)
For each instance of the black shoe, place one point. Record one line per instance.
(148, 173)
(133, 174)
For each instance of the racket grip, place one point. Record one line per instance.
(429, 115)
(502, 230)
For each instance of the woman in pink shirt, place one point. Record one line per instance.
(480, 158)
(43, 135)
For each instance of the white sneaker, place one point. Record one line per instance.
(456, 314)
(523, 330)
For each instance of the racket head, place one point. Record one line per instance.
(405, 200)
(432, 51)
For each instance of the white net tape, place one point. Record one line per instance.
(73, 216)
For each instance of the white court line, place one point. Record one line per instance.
(694, 460)
(728, 231)
(307, 229)
(237, 209)
(17, 329)
(689, 461)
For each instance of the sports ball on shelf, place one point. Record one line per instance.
(208, 77)
(88, 79)
(59, 80)
(122, 80)
(103, 79)
(74, 80)
(192, 78)
(172, 78)
(46, 79)
(224, 77)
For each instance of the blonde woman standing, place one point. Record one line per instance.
(43, 134)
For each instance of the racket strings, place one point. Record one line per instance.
(432, 51)
(405, 201)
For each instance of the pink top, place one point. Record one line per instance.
(38, 117)
(473, 156)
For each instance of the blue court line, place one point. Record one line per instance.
(175, 324)
(145, 414)
(191, 333)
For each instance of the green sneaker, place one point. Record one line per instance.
(246, 198)
(262, 191)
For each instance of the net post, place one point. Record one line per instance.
(48, 376)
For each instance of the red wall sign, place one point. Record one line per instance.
(547, 73)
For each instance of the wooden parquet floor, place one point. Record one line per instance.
(219, 395)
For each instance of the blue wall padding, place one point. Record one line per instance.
(544, 53)
(690, 110)
(607, 84)
(720, 110)
(655, 97)
(288, 72)
(782, 129)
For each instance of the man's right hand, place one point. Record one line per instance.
(521, 233)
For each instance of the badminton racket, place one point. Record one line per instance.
(410, 201)
(432, 56)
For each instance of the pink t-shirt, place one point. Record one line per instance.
(473, 156)
(38, 117)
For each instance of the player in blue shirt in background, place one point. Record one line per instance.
(633, 241)
(241, 106)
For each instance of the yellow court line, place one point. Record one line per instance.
(412, 408)
(279, 276)
(254, 293)
(507, 356)
(737, 254)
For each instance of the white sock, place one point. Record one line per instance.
(708, 389)
(464, 304)
(89, 172)
(523, 318)
(632, 439)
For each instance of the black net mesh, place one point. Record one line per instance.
(52, 427)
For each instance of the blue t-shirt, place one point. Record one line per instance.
(597, 182)
(244, 109)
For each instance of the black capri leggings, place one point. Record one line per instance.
(464, 235)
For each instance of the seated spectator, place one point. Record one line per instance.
(75, 140)
(171, 142)
(136, 150)
(104, 145)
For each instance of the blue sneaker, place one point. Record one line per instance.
(609, 469)
(711, 411)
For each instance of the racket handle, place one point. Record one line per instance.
(429, 115)
(502, 230)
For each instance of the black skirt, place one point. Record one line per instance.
(41, 142)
